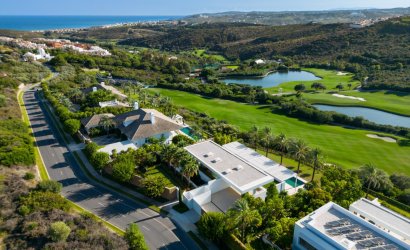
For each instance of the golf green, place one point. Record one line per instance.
(348, 148)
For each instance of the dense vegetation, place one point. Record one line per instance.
(37, 218)
(15, 143)
(377, 52)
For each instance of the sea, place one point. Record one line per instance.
(31, 23)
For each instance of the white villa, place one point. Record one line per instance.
(231, 171)
(333, 227)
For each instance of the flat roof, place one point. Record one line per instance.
(382, 216)
(274, 169)
(243, 176)
(348, 231)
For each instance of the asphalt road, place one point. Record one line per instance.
(160, 232)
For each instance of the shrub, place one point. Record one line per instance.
(42, 201)
(401, 181)
(154, 185)
(123, 170)
(59, 231)
(24, 210)
(49, 186)
(72, 126)
(212, 226)
(135, 238)
(90, 148)
(29, 176)
(99, 160)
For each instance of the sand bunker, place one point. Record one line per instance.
(341, 73)
(384, 138)
(350, 97)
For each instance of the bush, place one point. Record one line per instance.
(42, 201)
(90, 148)
(154, 185)
(401, 181)
(99, 160)
(29, 176)
(212, 226)
(135, 238)
(59, 231)
(49, 186)
(122, 170)
(72, 126)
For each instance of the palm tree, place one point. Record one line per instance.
(339, 87)
(255, 136)
(107, 123)
(373, 177)
(244, 217)
(300, 151)
(315, 159)
(189, 168)
(267, 134)
(76, 95)
(281, 145)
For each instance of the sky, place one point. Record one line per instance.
(179, 7)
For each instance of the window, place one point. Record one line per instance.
(306, 244)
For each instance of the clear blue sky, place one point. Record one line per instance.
(178, 7)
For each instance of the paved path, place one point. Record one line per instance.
(159, 231)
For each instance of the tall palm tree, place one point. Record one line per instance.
(316, 161)
(300, 151)
(244, 217)
(255, 136)
(373, 177)
(267, 139)
(189, 168)
(281, 144)
(107, 123)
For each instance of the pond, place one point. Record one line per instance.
(373, 115)
(273, 79)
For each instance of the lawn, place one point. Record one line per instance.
(202, 53)
(391, 101)
(349, 148)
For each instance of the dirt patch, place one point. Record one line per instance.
(384, 138)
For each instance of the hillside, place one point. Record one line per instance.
(299, 17)
(378, 52)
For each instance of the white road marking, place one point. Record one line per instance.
(61, 172)
(101, 204)
(146, 228)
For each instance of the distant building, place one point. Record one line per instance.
(42, 55)
(333, 227)
(259, 61)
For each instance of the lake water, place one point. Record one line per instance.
(377, 116)
(274, 79)
(63, 22)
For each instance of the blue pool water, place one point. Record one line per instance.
(292, 182)
(189, 132)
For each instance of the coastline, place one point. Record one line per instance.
(77, 23)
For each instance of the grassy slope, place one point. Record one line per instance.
(346, 147)
(391, 101)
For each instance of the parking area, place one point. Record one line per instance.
(106, 139)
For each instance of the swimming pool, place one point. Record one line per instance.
(189, 132)
(292, 181)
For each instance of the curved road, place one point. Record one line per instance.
(159, 231)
